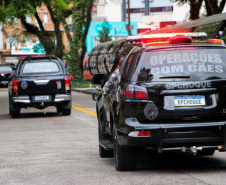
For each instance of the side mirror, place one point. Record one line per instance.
(96, 93)
(98, 79)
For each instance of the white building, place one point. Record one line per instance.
(150, 12)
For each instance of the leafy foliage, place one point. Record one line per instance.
(59, 10)
(104, 33)
(211, 6)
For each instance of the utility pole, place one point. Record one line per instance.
(129, 26)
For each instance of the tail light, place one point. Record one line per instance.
(15, 86)
(144, 133)
(4, 73)
(67, 84)
(136, 92)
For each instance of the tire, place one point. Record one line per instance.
(103, 153)
(15, 114)
(125, 158)
(59, 109)
(12, 112)
(10, 107)
(205, 153)
(66, 112)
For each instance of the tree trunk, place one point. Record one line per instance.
(195, 6)
(59, 47)
(44, 37)
(87, 23)
(212, 6)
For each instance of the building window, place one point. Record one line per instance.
(28, 19)
(153, 9)
(37, 40)
(12, 20)
(45, 18)
(136, 10)
(162, 9)
(28, 40)
(69, 19)
(11, 41)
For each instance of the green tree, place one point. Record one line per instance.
(104, 33)
(59, 10)
(81, 17)
(212, 7)
(20, 9)
(195, 6)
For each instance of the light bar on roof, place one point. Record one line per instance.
(166, 35)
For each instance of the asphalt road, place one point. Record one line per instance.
(43, 147)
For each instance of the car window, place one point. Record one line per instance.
(5, 69)
(129, 66)
(208, 29)
(198, 64)
(40, 67)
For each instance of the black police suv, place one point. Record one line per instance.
(39, 82)
(171, 98)
(5, 72)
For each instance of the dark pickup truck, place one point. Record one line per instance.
(39, 82)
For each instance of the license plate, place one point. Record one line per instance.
(42, 97)
(189, 101)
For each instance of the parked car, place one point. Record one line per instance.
(39, 82)
(5, 72)
(171, 98)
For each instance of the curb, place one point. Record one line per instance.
(83, 91)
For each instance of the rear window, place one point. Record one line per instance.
(5, 69)
(40, 67)
(197, 64)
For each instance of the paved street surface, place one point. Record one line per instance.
(43, 147)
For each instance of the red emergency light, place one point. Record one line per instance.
(171, 38)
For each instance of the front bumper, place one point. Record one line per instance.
(172, 135)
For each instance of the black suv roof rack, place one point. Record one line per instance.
(43, 57)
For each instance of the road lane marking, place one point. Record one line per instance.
(84, 110)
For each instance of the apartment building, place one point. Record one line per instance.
(150, 12)
(142, 11)
(16, 43)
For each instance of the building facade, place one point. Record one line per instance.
(15, 38)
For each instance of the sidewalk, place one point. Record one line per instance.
(84, 90)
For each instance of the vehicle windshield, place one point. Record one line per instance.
(195, 64)
(40, 67)
(5, 69)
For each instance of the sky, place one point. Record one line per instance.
(179, 12)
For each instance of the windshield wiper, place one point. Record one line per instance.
(164, 77)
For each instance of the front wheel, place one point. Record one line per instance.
(66, 111)
(125, 157)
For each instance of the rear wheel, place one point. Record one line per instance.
(66, 111)
(103, 153)
(10, 106)
(125, 158)
(14, 113)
